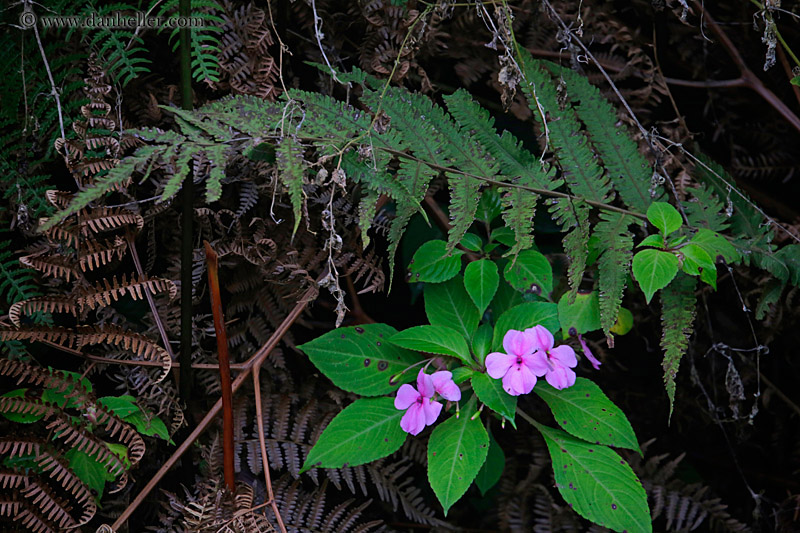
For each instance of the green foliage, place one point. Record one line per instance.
(456, 452)
(580, 316)
(366, 430)
(525, 316)
(433, 263)
(492, 469)
(481, 281)
(664, 217)
(448, 304)
(585, 412)
(434, 339)
(613, 265)
(490, 392)
(653, 270)
(530, 271)
(361, 359)
(597, 483)
(291, 169)
(677, 316)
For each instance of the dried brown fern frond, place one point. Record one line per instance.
(42, 304)
(306, 511)
(134, 342)
(244, 56)
(53, 266)
(76, 436)
(100, 219)
(56, 335)
(104, 292)
(58, 199)
(683, 506)
(99, 253)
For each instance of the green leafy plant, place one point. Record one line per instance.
(466, 322)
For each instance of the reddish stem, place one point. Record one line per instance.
(224, 368)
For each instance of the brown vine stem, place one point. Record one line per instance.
(748, 78)
(224, 368)
(255, 359)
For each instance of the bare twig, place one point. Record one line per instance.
(747, 76)
(256, 359)
(53, 90)
(150, 300)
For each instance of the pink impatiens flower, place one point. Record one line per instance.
(559, 360)
(588, 353)
(520, 365)
(421, 409)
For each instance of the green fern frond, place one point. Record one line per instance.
(616, 244)
(291, 170)
(576, 246)
(629, 171)
(705, 210)
(678, 303)
(203, 40)
(513, 160)
(567, 141)
(16, 282)
(335, 121)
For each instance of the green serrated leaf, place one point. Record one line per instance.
(448, 304)
(597, 483)
(504, 235)
(490, 392)
(657, 241)
(583, 314)
(482, 342)
(665, 217)
(795, 80)
(489, 206)
(90, 471)
(462, 374)
(366, 430)
(19, 417)
(481, 281)
(121, 406)
(434, 339)
(151, 425)
(530, 272)
(697, 262)
(716, 245)
(472, 242)
(492, 470)
(653, 270)
(585, 412)
(457, 450)
(432, 264)
(361, 359)
(525, 316)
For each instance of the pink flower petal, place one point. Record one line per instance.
(542, 338)
(425, 384)
(565, 355)
(497, 364)
(517, 343)
(406, 397)
(588, 354)
(536, 363)
(443, 384)
(414, 420)
(431, 410)
(561, 377)
(519, 380)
